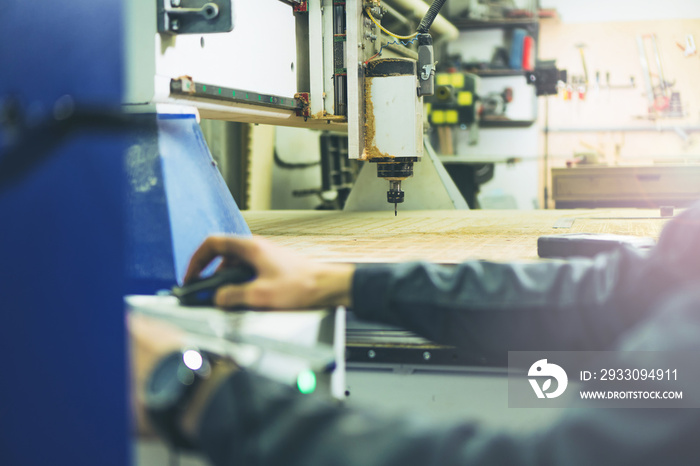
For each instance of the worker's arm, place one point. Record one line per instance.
(151, 339)
(489, 308)
(251, 420)
(492, 308)
(285, 279)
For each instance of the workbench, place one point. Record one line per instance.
(447, 237)
(625, 186)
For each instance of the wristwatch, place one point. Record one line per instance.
(170, 390)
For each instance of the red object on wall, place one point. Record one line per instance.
(529, 54)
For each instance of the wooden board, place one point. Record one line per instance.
(439, 236)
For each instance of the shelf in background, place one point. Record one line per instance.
(504, 123)
(459, 159)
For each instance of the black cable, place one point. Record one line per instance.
(292, 166)
(36, 144)
(430, 16)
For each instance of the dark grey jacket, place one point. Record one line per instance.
(620, 300)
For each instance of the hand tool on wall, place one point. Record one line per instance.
(689, 48)
(660, 95)
(580, 48)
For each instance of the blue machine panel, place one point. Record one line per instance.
(176, 198)
(78, 232)
(73, 47)
(63, 393)
(150, 263)
(199, 201)
(63, 396)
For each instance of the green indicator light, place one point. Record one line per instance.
(233, 93)
(270, 99)
(259, 97)
(219, 90)
(246, 95)
(306, 382)
(204, 88)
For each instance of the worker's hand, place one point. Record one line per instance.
(285, 279)
(151, 339)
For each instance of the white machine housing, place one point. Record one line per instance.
(272, 50)
(395, 110)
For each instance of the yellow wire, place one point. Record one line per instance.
(386, 31)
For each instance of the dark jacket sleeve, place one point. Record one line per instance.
(254, 421)
(491, 308)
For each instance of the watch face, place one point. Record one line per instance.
(166, 382)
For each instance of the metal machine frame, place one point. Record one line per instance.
(325, 86)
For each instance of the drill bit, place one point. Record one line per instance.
(394, 194)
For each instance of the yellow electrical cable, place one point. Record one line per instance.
(386, 31)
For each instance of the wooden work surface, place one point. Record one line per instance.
(439, 236)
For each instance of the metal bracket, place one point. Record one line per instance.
(304, 99)
(301, 7)
(427, 71)
(194, 16)
(426, 65)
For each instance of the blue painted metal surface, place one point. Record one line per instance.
(77, 233)
(63, 397)
(176, 199)
(150, 263)
(70, 47)
(199, 201)
(63, 393)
